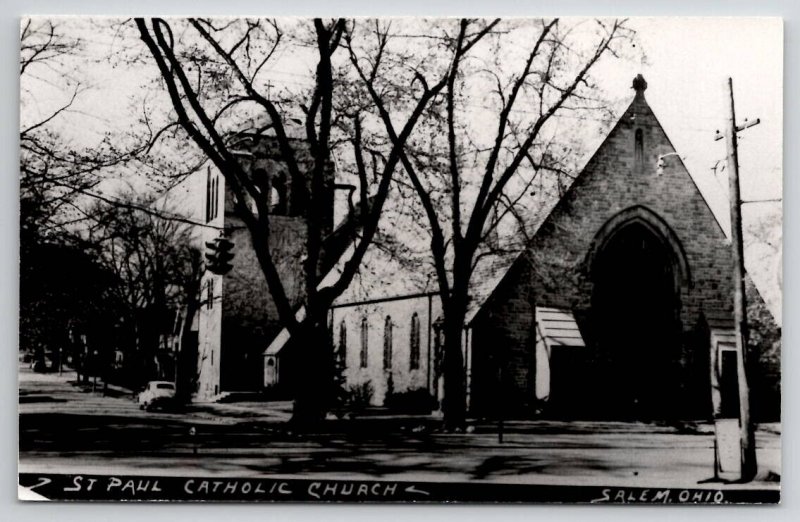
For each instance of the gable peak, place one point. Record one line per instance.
(639, 84)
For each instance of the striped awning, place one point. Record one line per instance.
(558, 327)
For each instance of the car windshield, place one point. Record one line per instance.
(165, 386)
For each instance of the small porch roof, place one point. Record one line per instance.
(558, 327)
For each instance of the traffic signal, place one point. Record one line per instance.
(219, 255)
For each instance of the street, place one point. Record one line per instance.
(64, 429)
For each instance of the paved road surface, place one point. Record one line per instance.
(65, 429)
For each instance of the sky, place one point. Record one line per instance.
(689, 61)
(687, 64)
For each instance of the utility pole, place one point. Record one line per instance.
(746, 434)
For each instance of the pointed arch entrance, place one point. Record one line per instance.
(637, 268)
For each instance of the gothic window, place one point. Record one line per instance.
(638, 153)
(364, 342)
(387, 343)
(342, 342)
(414, 340)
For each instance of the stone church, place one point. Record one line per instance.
(614, 310)
(619, 307)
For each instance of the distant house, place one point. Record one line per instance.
(610, 311)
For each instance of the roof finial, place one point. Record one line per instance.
(639, 84)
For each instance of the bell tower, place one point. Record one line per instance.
(246, 318)
(291, 196)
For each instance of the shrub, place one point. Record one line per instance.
(359, 396)
(418, 401)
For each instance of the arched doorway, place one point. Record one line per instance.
(635, 324)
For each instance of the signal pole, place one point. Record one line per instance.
(746, 433)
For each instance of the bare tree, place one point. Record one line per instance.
(41, 46)
(55, 170)
(157, 273)
(211, 69)
(479, 181)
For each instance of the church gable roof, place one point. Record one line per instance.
(617, 155)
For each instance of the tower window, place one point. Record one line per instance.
(278, 194)
(413, 353)
(299, 197)
(216, 196)
(638, 152)
(208, 195)
(387, 343)
(364, 342)
(212, 196)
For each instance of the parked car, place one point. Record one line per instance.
(157, 394)
(39, 366)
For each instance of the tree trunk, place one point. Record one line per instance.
(312, 375)
(454, 402)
